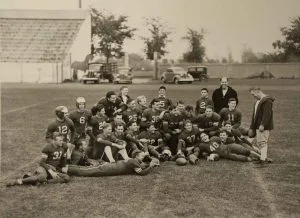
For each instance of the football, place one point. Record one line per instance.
(181, 161)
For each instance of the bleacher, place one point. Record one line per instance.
(37, 36)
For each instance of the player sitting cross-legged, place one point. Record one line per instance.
(133, 165)
(131, 135)
(52, 166)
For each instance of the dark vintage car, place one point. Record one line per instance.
(176, 75)
(198, 72)
(123, 75)
(261, 75)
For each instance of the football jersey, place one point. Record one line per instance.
(152, 138)
(206, 123)
(111, 107)
(235, 117)
(201, 105)
(56, 154)
(190, 138)
(174, 122)
(64, 127)
(132, 115)
(80, 120)
(132, 136)
(213, 146)
(152, 116)
(97, 124)
(235, 134)
(120, 136)
(164, 102)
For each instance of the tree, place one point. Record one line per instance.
(229, 56)
(112, 32)
(196, 51)
(158, 40)
(248, 56)
(289, 48)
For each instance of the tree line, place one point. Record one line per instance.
(111, 32)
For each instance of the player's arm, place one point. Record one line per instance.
(238, 120)
(72, 129)
(197, 107)
(267, 113)
(222, 115)
(130, 138)
(143, 172)
(51, 169)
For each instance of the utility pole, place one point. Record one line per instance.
(79, 1)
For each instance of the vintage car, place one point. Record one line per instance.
(123, 75)
(198, 72)
(100, 72)
(176, 75)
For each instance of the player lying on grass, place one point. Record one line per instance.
(217, 149)
(133, 165)
(52, 166)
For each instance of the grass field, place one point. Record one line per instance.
(218, 189)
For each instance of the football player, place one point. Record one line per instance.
(80, 117)
(141, 103)
(172, 124)
(132, 113)
(203, 102)
(164, 102)
(153, 114)
(208, 122)
(52, 166)
(61, 124)
(79, 156)
(112, 104)
(124, 97)
(154, 144)
(130, 166)
(118, 119)
(132, 134)
(108, 145)
(233, 115)
(188, 143)
(231, 151)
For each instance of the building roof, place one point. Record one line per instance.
(38, 35)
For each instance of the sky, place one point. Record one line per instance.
(230, 25)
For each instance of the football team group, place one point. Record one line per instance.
(121, 135)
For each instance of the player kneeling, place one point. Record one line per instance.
(133, 165)
(52, 167)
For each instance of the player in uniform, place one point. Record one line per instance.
(80, 117)
(154, 144)
(231, 151)
(132, 113)
(164, 102)
(118, 119)
(208, 122)
(188, 143)
(61, 124)
(203, 102)
(112, 104)
(172, 124)
(108, 146)
(131, 135)
(233, 115)
(153, 115)
(52, 166)
(133, 165)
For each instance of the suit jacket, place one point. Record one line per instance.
(221, 101)
(264, 114)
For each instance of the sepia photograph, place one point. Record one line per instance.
(150, 108)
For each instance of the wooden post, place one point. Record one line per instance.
(56, 73)
(155, 66)
(62, 71)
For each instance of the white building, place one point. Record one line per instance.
(40, 45)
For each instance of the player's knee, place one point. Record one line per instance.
(167, 136)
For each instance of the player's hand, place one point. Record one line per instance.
(53, 174)
(65, 169)
(261, 128)
(143, 140)
(201, 130)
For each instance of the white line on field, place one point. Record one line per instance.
(265, 192)
(30, 106)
